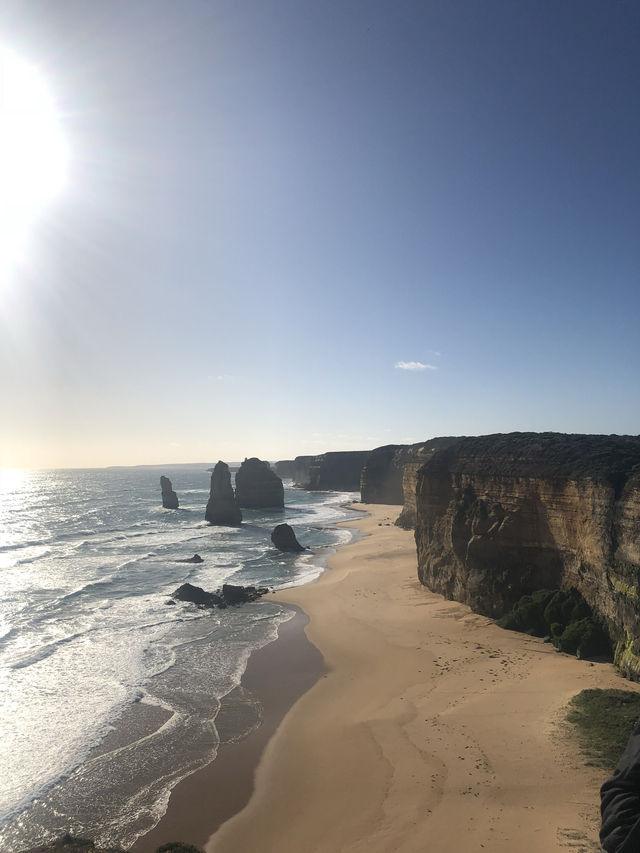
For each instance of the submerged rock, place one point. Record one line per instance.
(195, 559)
(222, 507)
(284, 538)
(169, 497)
(257, 486)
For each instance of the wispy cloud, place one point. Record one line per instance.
(435, 352)
(414, 365)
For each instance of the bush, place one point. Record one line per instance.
(565, 615)
(178, 847)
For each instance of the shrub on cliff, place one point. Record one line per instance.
(528, 616)
(565, 616)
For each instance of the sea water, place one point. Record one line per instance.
(108, 693)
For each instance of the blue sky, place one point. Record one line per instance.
(270, 205)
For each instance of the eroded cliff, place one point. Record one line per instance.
(500, 516)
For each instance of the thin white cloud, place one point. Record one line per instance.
(435, 352)
(414, 365)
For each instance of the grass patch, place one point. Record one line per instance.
(603, 721)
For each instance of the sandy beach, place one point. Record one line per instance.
(432, 728)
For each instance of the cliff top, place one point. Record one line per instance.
(607, 458)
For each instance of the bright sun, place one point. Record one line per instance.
(33, 153)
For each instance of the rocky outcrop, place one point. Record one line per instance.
(222, 507)
(501, 516)
(337, 471)
(169, 497)
(229, 595)
(257, 486)
(284, 538)
(195, 559)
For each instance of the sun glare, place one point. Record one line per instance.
(33, 155)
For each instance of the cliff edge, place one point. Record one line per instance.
(500, 516)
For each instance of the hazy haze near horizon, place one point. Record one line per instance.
(291, 227)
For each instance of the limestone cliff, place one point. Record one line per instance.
(284, 468)
(337, 471)
(381, 477)
(500, 516)
(258, 486)
(415, 457)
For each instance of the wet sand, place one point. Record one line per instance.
(277, 674)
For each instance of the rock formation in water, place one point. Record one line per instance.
(169, 497)
(195, 559)
(258, 486)
(228, 596)
(222, 507)
(502, 516)
(197, 595)
(284, 538)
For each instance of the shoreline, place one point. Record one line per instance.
(430, 723)
(277, 675)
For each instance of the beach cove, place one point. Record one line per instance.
(432, 728)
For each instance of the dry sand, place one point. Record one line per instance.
(433, 729)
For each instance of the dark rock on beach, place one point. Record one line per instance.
(258, 486)
(222, 507)
(284, 538)
(169, 497)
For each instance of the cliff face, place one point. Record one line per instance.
(381, 477)
(258, 486)
(338, 471)
(284, 468)
(413, 458)
(501, 516)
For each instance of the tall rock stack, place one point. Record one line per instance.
(258, 486)
(222, 507)
(169, 497)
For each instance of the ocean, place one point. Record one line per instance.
(109, 695)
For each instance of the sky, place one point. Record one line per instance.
(288, 227)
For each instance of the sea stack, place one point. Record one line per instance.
(222, 507)
(169, 497)
(258, 486)
(284, 538)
